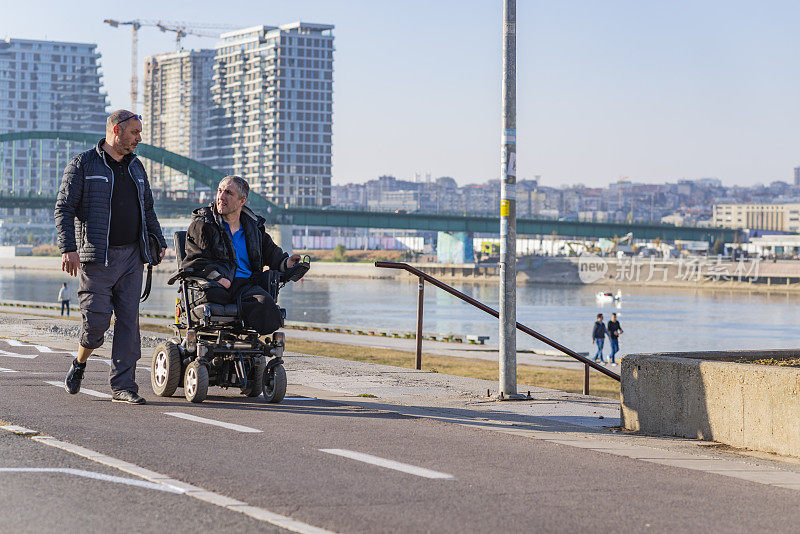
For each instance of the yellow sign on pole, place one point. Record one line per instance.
(504, 209)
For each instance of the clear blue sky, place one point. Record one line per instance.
(652, 90)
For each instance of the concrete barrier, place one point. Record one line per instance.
(710, 396)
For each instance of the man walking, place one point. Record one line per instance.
(599, 337)
(63, 297)
(614, 330)
(106, 189)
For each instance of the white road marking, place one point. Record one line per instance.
(19, 430)
(300, 398)
(94, 475)
(232, 426)
(91, 392)
(195, 492)
(389, 464)
(16, 343)
(4, 370)
(40, 348)
(15, 355)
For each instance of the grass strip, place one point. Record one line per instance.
(570, 380)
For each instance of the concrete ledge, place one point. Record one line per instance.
(707, 395)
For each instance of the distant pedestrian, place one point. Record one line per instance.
(63, 297)
(599, 337)
(614, 330)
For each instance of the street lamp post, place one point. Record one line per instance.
(508, 210)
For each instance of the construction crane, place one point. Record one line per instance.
(181, 30)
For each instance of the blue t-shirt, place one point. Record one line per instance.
(239, 245)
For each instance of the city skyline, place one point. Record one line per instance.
(654, 93)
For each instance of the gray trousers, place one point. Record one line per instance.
(116, 288)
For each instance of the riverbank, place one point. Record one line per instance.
(349, 347)
(606, 273)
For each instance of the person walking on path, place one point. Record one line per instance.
(63, 298)
(599, 337)
(107, 190)
(614, 330)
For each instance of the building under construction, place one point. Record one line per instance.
(177, 104)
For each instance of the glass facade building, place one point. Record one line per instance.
(271, 121)
(46, 85)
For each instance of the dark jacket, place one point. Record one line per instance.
(614, 329)
(85, 195)
(209, 247)
(599, 331)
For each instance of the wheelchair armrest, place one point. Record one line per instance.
(180, 275)
(295, 273)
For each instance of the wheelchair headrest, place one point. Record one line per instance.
(180, 246)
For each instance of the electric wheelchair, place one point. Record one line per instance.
(212, 344)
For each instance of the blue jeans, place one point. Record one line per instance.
(614, 347)
(599, 354)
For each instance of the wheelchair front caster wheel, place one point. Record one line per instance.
(275, 384)
(165, 369)
(195, 382)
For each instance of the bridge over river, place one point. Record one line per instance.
(317, 216)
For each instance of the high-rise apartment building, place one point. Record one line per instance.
(797, 176)
(177, 103)
(272, 115)
(46, 85)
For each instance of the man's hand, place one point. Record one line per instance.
(161, 256)
(224, 282)
(70, 263)
(292, 261)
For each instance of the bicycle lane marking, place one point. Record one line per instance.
(189, 490)
(203, 420)
(389, 464)
(91, 392)
(93, 475)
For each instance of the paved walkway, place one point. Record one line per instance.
(320, 457)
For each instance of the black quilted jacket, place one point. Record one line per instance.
(209, 248)
(85, 195)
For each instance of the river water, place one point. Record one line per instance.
(654, 319)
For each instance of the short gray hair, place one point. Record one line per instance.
(119, 117)
(241, 184)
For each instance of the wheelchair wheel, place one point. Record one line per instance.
(255, 386)
(195, 383)
(275, 384)
(165, 369)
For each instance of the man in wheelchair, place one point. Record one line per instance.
(229, 273)
(228, 245)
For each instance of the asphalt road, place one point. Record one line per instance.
(332, 465)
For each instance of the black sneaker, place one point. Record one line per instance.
(127, 396)
(73, 381)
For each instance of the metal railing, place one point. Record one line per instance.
(423, 277)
